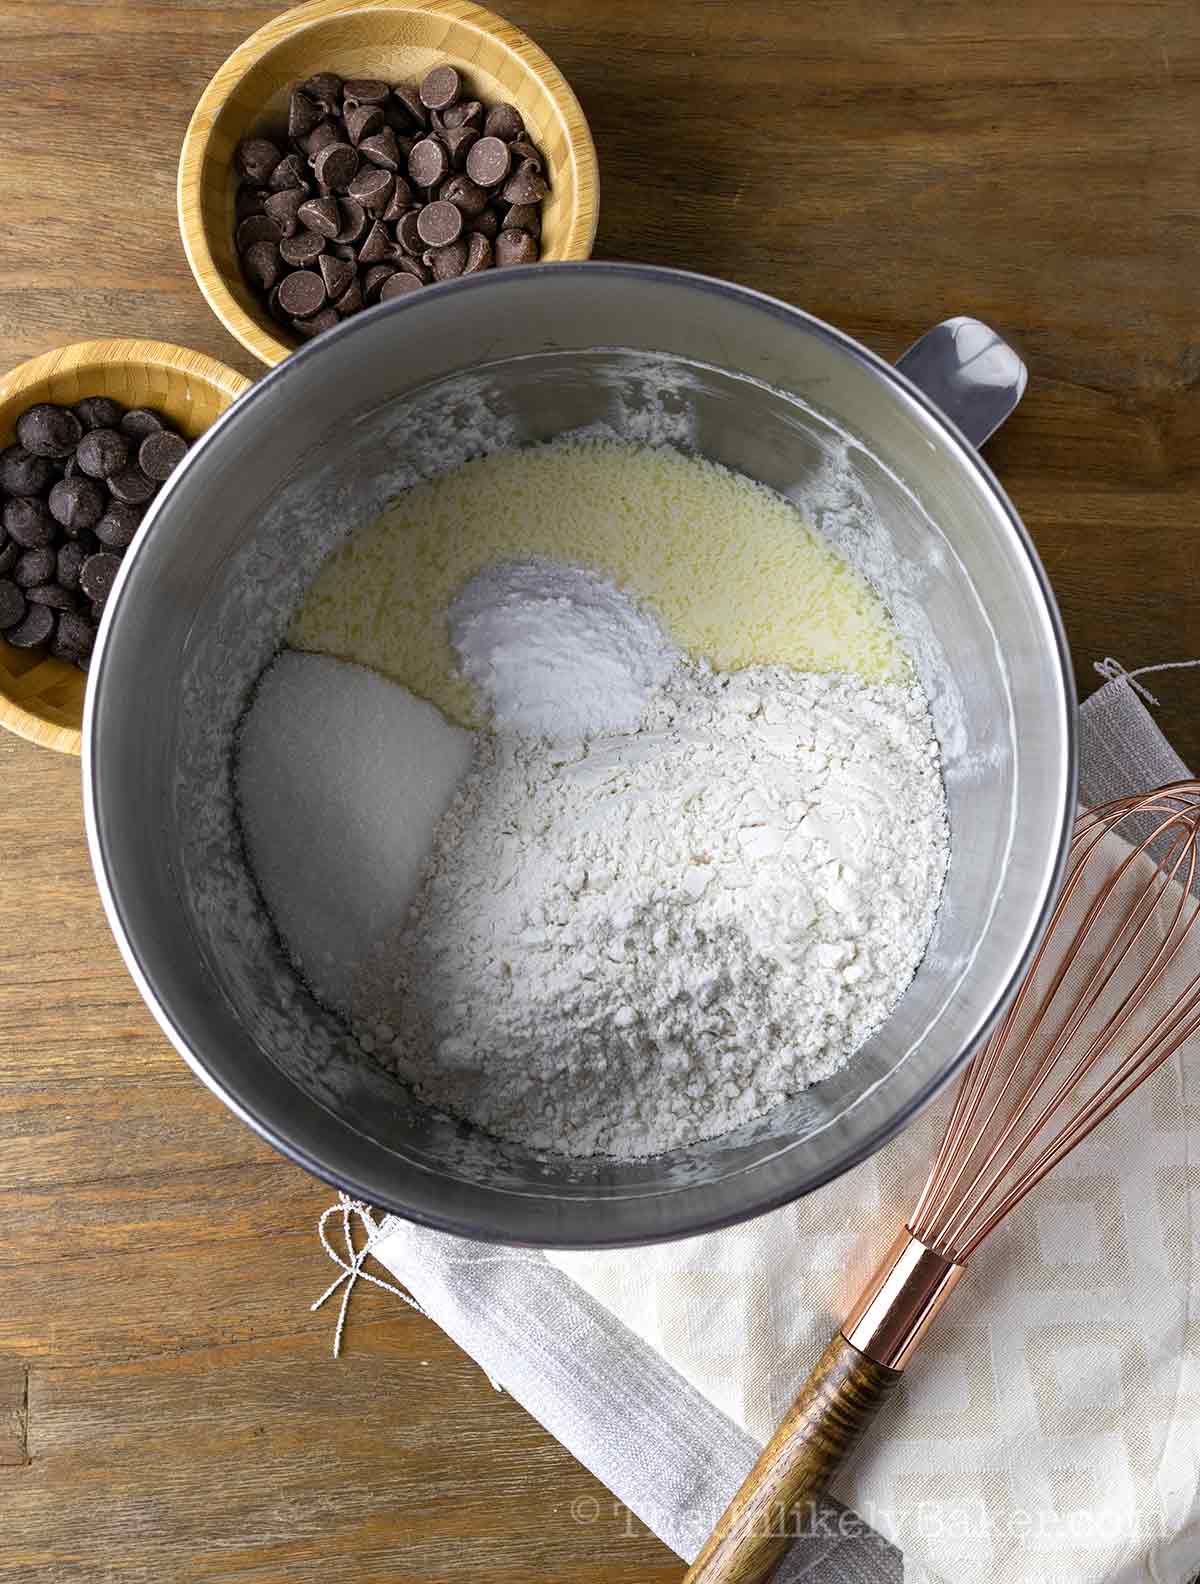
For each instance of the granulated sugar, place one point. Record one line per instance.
(342, 778)
(633, 941)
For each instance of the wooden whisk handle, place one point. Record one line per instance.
(823, 1426)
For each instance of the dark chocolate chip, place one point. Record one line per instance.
(131, 486)
(262, 264)
(410, 101)
(34, 567)
(53, 595)
(22, 473)
(440, 88)
(414, 266)
(67, 562)
(12, 604)
(337, 274)
(301, 295)
(377, 247)
(447, 262)
(301, 250)
(459, 142)
(303, 115)
(307, 328)
(34, 630)
(257, 228)
(407, 234)
(466, 113)
(382, 149)
(399, 203)
(320, 215)
(321, 136)
(488, 161)
(160, 454)
(439, 224)
(29, 523)
(525, 186)
(350, 301)
(325, 88)
(398, 118)
(98, 574)
(283, 207)
(292, 171)
(116, 528)
(487, 224)
(98, 412)
(49, 431)
(365, 91)
(10, 553)
(524, 217)
(524, 151)
(341, 250)
(503, 121)
(373, 281)
(256, 159)
(464, 194)
(77, 503)
(429, 164)
(400, 284)
(103, 452)
(354, 220)
(479, 254)
(373, 188)
(75, 636)
(336, 165)
(362, 121)
(138, 422)
(515, 247)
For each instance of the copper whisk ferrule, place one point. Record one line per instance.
(901, 1301)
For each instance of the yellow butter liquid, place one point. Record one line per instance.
(731, 569)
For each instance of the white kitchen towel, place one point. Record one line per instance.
(1050, 1434)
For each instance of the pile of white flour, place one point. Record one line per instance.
(663, 898)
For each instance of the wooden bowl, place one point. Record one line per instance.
(398, 41)
(42, 698)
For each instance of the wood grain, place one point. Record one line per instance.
(883, 166)
(398, 41)
(832, 1412)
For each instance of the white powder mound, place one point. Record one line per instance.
(342, 778)
(555, 650)
(629, 942)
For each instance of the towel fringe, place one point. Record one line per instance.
(1112, 670)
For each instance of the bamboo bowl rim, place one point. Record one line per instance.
(24, 719)
(209, 275)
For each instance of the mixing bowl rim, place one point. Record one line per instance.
(486, 1223)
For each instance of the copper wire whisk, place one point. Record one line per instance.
(1112, 992)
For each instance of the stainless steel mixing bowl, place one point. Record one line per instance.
(314, 451)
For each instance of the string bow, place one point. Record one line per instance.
(352, 1263)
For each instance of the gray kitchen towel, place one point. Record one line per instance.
(664, 1450)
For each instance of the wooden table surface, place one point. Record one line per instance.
(168, 1405)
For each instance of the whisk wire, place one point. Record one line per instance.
(941, 1184)
(1000, 1140)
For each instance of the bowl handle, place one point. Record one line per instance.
(972, 374)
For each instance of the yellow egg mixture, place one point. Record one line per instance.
(732, 570)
